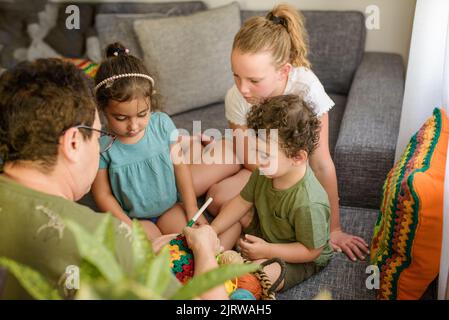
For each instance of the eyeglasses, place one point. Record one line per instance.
(105, 140)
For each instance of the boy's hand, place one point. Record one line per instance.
(253, 247)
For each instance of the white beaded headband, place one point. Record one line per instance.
(109, 81)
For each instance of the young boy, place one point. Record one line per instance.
(283, 209)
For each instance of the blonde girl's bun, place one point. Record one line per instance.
(281, 32)
(293, 21)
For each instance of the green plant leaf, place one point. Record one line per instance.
(159, 274)
(142, 252)
(31, 280)
(105, 233)
(87, 292)
(89, 272)
(96, 253)
(206, 281)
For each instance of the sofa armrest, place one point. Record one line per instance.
(365, 149)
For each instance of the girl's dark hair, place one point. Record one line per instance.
(298, 126)
(120, 61)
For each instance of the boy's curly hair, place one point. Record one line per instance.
(39, 100)
(298, 126)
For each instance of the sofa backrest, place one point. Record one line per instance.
(14, 17)
(337, 42)
(114, 21)
(337, 38)
(178, 8)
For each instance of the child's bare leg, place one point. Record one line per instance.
(151, 229)
(173, 220)
(229, 238)
(204, 175)
(273, 271)
(226, 190)
(192, 148)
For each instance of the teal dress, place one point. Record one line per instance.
(142, 175)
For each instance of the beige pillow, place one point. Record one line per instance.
(190, 56)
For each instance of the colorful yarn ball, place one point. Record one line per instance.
(231, 286)
(181, 259)
(229, 257)
(250, 283)
(242, 294)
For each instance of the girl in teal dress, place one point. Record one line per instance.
(139, 178)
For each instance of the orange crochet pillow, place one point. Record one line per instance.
(407, 238)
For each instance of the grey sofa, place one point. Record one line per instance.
(367, 88)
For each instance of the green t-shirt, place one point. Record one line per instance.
(32, 233)
(298, 214)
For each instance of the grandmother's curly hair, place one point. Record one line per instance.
(39, 100)
(297, 124)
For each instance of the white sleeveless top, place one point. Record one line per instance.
(301, 81)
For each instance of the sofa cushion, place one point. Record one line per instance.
(337, 43)
(344, 279)
(189, 56)
(113, 27)
(211, 117)
(119, 28)
(365, 149)
(407, 239)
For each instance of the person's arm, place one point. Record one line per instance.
(231, 214)
(184, 184)
(162, 241)
(256, 248)
(105, 200)
(242, 155)
(205, 246)
(324, 169)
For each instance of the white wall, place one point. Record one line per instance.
(396, 17)
(424, 82)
